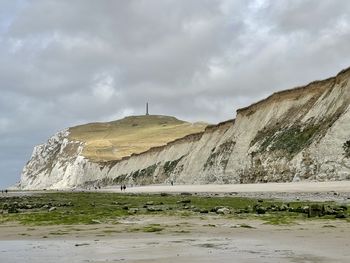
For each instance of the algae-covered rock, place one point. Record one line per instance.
(316, 210)
(223, 211)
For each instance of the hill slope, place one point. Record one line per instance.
(131, 135)
(298, 134)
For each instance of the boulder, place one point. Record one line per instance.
(340, 215)
(223, 211)
(216, 208)
(328, 210)
(298, 209)
(283, 207)
(344, 207)
(154, 209)
(316, 210)
(133, 210)
(260, 210)
(273, 208)
(184, 201)
(305, 209)
(12, 210)
(52, 209)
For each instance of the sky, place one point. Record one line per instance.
(69, 62)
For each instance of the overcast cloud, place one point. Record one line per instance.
(68, 62)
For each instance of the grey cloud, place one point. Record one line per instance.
(311, 16)
(65, 63)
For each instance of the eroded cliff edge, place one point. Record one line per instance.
(297, 134)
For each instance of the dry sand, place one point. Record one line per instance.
(338, 191)
(338, 186)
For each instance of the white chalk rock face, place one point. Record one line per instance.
(55, 164)
(293, 135)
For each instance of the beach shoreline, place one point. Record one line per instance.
(181, 235)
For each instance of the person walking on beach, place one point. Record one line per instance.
(124, 187)
(121, 188)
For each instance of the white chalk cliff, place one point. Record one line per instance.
(293, 135)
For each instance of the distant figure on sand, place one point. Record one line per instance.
(172, 182)
(121, 188)
(124, 187)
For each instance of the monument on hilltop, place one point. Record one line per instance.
(147, 113)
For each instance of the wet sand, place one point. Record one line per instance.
(210, 239)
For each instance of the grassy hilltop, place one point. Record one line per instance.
(135, 134)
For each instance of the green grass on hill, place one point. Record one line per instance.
(135, 134)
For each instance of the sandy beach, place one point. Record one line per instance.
(198, 238)
(295, 187)
(338, 191)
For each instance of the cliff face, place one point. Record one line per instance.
(297, 134)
